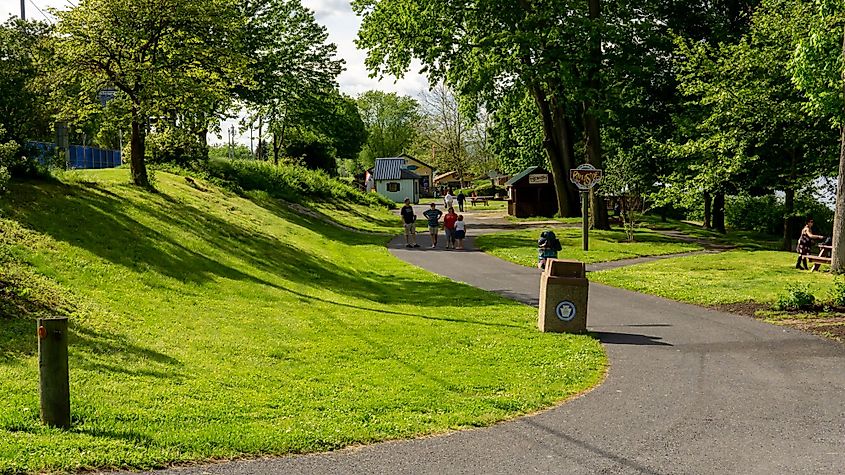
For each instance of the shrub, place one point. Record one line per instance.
(5, 176)
(488, 189)
(763, 214)
(795, 297)
(289, 182)
(174, 145)
(836, 294)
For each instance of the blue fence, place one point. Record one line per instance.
(79, 156)
(90, 157)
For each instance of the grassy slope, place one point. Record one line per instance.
(521, 246)
(205, 325)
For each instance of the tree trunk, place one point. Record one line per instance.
(837, 262)
(277, 144)
(719, 212)
(560, 149)
(789, 204)
(708, 200)
(137, 148)
(598, 208)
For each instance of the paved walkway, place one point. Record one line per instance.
(689, 390)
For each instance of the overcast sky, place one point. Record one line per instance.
(336, 15)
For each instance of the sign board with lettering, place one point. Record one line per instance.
(585, 176)
(538, 179)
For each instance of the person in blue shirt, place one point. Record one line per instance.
(433, 216)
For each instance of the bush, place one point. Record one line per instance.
(488, 189)
(763, 214)
(5, 176)
(177, 146)
(795, 297)
(836, 294)
(289, 182)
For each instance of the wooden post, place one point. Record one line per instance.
(585, 218)
(53, 372)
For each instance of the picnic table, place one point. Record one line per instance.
(822, 258)
(479, 199)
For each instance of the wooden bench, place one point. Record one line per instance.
(479, 199)
(822, 258)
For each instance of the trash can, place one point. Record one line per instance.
(563, 297)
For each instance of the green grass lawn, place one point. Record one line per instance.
(712, 279)
(207, 325)
(748, 240)
(521, 246)
(541, 218)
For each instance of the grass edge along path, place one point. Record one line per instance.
(729, 277)
(208, 326)
(520, 246)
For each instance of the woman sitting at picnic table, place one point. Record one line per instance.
(805, 244)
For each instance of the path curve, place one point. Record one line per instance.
(689, 390)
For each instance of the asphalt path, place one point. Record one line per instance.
(689, 390)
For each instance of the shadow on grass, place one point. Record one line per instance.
(114, 353)
(104, 223)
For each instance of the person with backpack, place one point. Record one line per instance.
(547, 248)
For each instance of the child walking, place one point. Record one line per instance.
(460, 232)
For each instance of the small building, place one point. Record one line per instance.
(532, 193)
(448, 180)
(394, 181)
(424, 170)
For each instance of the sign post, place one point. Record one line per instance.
(585, 178)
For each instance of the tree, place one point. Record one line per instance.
(162, 55)
(457, 137)
(818, 69)
(516, 134)
(336, 131)
(391, 121)
(24, 47)
(557, 51)
(291, 69)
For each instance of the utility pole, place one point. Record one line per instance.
(23, 9)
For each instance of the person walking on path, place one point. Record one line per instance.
(460, 232)
(409, 219)
(449, 227)
(461, 198)
(433, 216)
(805, 244)
(449, 199)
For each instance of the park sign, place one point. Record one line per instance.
(585, 176)
(538, 179)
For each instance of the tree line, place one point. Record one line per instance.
(683, 101)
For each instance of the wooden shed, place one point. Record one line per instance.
(532, 193)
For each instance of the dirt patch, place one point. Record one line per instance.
(822, 321)
(749, 309)
(827, 327)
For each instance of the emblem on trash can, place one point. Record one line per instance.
(565, 311)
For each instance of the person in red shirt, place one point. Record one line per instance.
(449, 226)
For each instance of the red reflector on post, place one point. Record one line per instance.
(42, 332)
